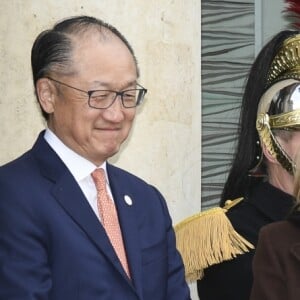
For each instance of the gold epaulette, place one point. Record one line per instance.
(208, 238)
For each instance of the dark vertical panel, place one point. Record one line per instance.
(227, 54)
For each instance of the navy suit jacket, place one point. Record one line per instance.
(52, 245)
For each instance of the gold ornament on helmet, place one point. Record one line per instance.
(286, 63)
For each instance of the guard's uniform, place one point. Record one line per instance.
(232, 279)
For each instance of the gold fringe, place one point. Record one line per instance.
(208, 238)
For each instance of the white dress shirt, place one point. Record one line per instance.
(80, 168)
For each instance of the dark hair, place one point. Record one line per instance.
(51, 51)
(238, 180)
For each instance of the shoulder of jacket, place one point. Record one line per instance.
(208, 238)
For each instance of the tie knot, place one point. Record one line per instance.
(98, 176)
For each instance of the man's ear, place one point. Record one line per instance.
(46, 93)
(268, 155)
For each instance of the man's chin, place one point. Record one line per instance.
(111, 151)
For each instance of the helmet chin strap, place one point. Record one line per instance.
(272, 145)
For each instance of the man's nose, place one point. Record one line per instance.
(115, 111)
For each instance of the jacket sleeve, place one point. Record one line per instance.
(268, 281)
(24, 271)
(177, 288)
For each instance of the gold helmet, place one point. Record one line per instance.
(279, 109)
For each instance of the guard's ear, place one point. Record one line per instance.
(268, 155)
(46, 93)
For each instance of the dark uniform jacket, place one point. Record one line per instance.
(276, 264)
(232, 280)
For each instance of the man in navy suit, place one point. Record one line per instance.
(52, 242)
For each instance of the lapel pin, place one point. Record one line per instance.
(128, 200)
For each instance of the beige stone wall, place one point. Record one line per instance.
(164, 147)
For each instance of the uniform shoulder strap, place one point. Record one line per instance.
(208, 238)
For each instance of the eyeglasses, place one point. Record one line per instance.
(102, 99)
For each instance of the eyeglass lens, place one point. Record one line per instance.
(104, 99)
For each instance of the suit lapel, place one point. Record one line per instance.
(67, 192)
(70, 196)
(127, 212)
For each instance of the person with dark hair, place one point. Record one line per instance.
(218, 245)
(73, 226)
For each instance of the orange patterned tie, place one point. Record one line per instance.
(109, 217)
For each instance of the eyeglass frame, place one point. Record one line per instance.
(142, 90)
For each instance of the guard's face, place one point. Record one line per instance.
(95, 134)
(290, 142)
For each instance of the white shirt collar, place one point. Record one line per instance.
(79, 166)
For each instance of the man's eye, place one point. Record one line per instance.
(129, 96)
(100, 95)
